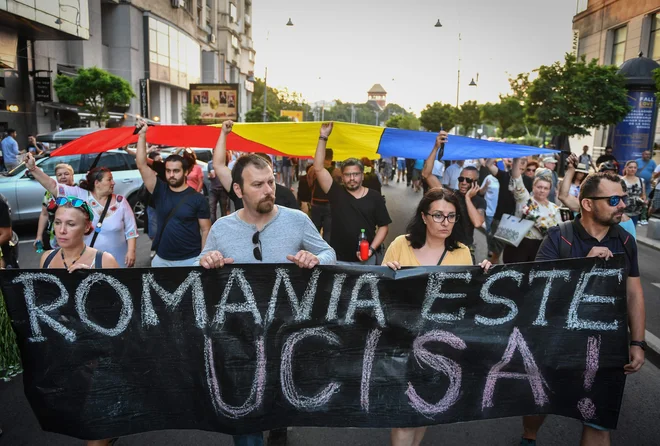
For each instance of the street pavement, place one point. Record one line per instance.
(638, 423)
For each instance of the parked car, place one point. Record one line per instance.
(60, 137)
(25, 194)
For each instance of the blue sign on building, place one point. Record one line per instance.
(636, 132)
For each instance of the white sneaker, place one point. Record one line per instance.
(644, 222)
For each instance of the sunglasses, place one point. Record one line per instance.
(467, 180)
(76, 203)
(614, 200)
(257, 248)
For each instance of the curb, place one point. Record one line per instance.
(653, 350)
(654, 244)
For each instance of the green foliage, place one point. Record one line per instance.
(656, 78)
(468, 116)
(508, 115)
(394, 121)
(409, 122)
(257, 115)
(277, 100)
(438, 115)
(570, 98)
(191, 114)
(96, 90)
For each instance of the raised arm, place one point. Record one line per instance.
(220, 156)
(492, 167)
(133, 153)
(571, 202)
(427, 171)
(322, 175)
(47, 182)
(148, 176)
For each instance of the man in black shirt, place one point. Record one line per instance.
(506, 204)
(473, 211)
(283, 195)
(320, 204)
(607, 156)
(353, 207)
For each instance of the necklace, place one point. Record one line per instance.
(74, 262)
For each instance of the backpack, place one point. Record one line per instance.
(566, 230)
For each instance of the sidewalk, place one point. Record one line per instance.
(644, 240)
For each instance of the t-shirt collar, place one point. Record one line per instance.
(584, 235)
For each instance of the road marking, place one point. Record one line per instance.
(652, 341)
(32, 241)
(656, 284)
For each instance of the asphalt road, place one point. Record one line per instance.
(638, 423)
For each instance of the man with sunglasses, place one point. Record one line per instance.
(596, 233)
(473, 205)
(353, 207)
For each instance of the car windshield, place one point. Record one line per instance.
(16, 170)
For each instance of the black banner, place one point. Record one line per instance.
(253, 347)
(42, 89)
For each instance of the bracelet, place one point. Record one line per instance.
(324, 138)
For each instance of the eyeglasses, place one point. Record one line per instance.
(439, 218)
(614, 200)
(533, 169)
(76, 203)
(257, 249)
(467, 180)
(352, 174)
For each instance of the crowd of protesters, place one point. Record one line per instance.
(338, 208)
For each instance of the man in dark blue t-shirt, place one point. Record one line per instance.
(596, 233)
(184, 216)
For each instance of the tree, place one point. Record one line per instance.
(96, 90)
(572, 98)
(438, 115)
(191, 114)
(468, 116)
(257, 115)
(508, 115)
(409, 122)
(394, 121)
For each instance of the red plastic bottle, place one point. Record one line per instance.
(364, 246)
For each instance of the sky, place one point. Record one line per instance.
(337, 49)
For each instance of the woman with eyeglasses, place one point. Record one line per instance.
(636, 191)
(115, 230)
(72, 224)
(429, 241)
(536, 207)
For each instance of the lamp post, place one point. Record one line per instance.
(58, 21)
(265, 114)
(458, 77)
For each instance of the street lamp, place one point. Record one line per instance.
(289, 23)
(438, 24)
(58, 21)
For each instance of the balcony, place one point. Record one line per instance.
(247, 43)
(247, 19)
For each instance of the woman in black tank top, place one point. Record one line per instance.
(72, 223)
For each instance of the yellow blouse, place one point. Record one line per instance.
(401, 251)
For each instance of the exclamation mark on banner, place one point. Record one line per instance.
(585, 405)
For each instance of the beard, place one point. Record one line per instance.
(266, 205)
(609, 220)
(352, 186)
(176, 183)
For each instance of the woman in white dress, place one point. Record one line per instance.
(117, 234)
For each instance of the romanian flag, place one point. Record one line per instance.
(299, 139)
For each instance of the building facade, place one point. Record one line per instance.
(614, 31)
(159, 46)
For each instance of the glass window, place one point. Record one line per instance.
(171, 52)
(619, 45)
(233, 13)
(234, 41)
(48, 165)
(113, 161)
(654, 49)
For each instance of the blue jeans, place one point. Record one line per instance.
(152, 229)
(249, 439)
(489, 223)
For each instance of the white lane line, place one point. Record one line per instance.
(656, 284)
(653, 341)
(32, 241)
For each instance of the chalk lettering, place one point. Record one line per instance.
(38, 313)
(122, 292)
(441, 364)
(574, 322)
(337, 285)
(258, 383)
(487, 297)
(532, 373)
(248, 306)
(372, 281)
(301, 310)
(551, 275)
(172, 300)
(433, 287)
(302, 402)
(367, 364)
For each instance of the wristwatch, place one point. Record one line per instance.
(371, 251)
(640, 344)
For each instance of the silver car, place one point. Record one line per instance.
(25, 194)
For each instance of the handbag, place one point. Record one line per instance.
(513, 229)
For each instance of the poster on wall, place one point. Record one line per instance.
(635, 133)
(218, 102)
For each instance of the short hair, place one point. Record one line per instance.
(329, 154)
(471, 169)
(185, 165)
(64, 166)
(153, 155)
(416, 230)
(609, 148)
(352, 162)
(266, 157)
(244, 161)
(10, 131)
(591, 184)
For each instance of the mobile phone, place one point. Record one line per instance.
(441, 151)
(566, 214)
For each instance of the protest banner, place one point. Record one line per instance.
(249, 348)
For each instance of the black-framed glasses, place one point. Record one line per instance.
(439, 217)
(352, 174)
(257, 248)
(467, 180)
(614, 200)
